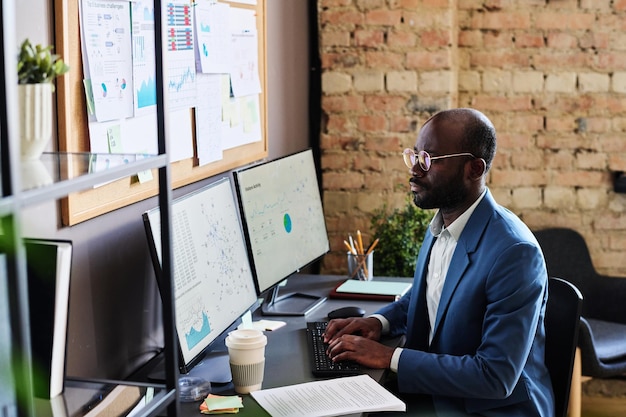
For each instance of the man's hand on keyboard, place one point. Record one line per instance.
(355, 339)
(367, 352)
(368, 327)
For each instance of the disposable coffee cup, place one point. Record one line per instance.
(361, 267)
(246, 352)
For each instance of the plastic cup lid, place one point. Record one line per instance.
(246, 339)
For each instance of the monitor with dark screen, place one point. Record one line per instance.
(284, 225)
(213, 282)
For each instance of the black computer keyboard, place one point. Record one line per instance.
(321, 363)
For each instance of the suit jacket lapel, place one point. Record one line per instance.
(466, 245)
(458, 265)
(418, 329)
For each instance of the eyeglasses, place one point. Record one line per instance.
(424, 159)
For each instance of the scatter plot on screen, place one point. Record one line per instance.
(212, 277)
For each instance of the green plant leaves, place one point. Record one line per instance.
(401, 233)
(37, 64)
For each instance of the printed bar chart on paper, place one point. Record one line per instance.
(181, 74)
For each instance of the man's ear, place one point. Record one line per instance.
(478, 168)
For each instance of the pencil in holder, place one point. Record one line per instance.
(361, 266)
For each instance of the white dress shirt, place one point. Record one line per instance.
(440, 257)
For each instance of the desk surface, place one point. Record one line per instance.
(286, 354)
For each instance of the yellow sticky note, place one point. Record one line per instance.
(218, 402)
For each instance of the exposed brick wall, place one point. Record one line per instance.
(550, 74)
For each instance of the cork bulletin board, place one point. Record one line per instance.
(73, 123)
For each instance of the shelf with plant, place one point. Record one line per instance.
(37, 69)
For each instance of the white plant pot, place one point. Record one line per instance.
(34, 174)
(35, 101)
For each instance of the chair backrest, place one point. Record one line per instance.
(562, 323)
(567, 255)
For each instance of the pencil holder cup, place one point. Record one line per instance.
(361, 267)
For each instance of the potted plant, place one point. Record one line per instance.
(401, 232)
(37, 68)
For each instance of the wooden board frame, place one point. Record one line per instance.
(73, 135)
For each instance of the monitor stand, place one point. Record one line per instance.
(214, 367)
(290, 304)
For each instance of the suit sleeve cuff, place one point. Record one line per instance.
(395, 360)
(383, 320)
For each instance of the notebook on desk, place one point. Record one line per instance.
(371, 290)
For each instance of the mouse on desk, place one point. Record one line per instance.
(345, 312)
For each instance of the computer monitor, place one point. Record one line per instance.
(213, 281)
(284, 225)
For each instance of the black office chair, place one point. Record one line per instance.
(562, 323)
(602, 334)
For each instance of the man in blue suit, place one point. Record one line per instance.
(474, 319)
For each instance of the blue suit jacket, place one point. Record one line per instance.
(487, 353)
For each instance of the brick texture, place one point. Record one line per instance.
(551, 76)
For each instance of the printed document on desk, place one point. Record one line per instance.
(331, 397)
